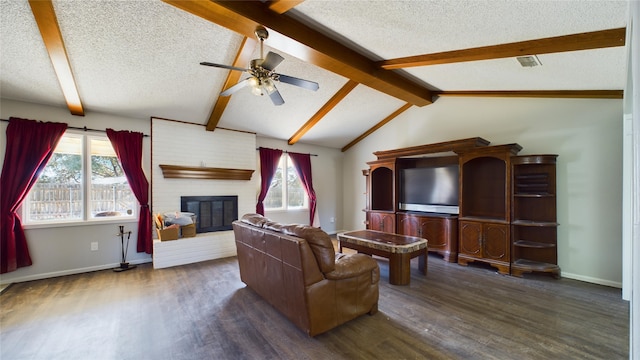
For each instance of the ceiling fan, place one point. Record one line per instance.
(263, 75)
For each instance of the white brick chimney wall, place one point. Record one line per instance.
(197, 147)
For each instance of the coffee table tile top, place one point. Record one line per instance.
(391, 243)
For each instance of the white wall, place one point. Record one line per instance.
(63, 250)
(587, 136)
(326, 169)
(632, 241)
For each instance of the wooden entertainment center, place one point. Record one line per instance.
(506, 204)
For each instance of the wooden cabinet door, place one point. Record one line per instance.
(388, 223)
(382, 222)
(408, 225)
(375, 221)
(470, 238)
(429, 228)
(441, 232)
(433, 229)
(496, 242)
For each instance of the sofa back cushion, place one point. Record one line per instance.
(272, 225)
(319, 242)
(254, 219)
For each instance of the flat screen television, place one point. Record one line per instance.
(430, 189)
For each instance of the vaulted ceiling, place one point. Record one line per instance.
(373, 60)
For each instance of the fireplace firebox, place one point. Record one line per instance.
(213, 213)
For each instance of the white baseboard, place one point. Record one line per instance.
(592, 280)
(70, 272)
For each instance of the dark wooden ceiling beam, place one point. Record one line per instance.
(377, 126)
(557, 44)
(299, 40)
(242, 60)
(47, 21)
(324, 110)
(576, 94)
(282, 6)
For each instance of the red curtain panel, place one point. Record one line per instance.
(30, 145)
(269, 159)
(128, 148)
(302, 164)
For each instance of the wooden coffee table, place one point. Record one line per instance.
(399, 249)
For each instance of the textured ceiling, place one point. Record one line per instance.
(391, 29)
(141, 58)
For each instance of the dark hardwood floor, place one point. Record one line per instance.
(204, 311)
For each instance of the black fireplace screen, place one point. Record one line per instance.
(213, 213)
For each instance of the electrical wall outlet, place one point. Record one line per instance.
(332, 220)
(94, 246)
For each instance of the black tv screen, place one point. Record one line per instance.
(430, 185)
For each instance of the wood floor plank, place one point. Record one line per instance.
(204, 311)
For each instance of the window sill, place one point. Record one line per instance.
(274, 211)
(118, 221)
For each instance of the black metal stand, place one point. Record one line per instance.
(124, 265)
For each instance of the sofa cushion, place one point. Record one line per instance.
(319, 242)
(272, 225)
(352, 265)
(256, 220)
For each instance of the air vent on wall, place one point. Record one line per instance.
(529, 61)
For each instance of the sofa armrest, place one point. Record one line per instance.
(349, 266)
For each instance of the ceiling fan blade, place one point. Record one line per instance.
(310, 85)
(223, 66)
(235, 87)
(271, 61)
(276, 98)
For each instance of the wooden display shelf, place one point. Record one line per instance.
(533, 176)
(533, 195)
(189, 172)
(507, 203)
(534, 244)
(521, 266)
(534, 223)
(486, 219)
(535, 159)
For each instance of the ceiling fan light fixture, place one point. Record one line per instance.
(256, 90)
(261, 86)
(254, 84)
(268, 86)
(529, 61)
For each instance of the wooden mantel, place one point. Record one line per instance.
(193, 172)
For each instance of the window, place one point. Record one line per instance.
(82, 181)
(289, 194)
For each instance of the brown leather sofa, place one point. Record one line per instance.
(295, 269)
